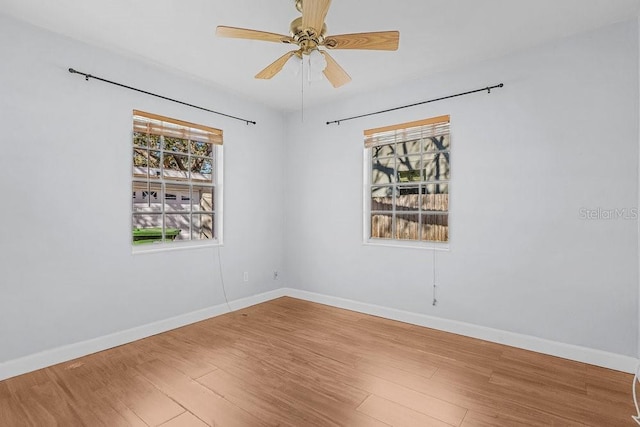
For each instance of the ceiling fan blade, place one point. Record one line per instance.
(242, 33)
(381, 40)
(334, 72)
(276, 66)
(313, 13)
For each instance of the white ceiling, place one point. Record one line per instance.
(435, 35)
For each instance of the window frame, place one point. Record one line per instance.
(367, 186)
(168, 184)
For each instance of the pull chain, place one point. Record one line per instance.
(302, 90)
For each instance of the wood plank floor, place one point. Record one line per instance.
(294, 363)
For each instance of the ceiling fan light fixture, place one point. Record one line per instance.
(316, 66)
(293, 66)
(317, 60)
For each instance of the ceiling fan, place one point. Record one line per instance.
(308, 32)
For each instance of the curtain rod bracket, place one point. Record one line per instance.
(88, 76)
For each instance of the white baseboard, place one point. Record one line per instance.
(591, 356)
(54, 356)
(65, 353)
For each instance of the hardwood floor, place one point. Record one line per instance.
(294, 363)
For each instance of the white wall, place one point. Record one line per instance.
(560, 136)
(67, 270)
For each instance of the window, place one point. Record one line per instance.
(407, 181)
(176, 180)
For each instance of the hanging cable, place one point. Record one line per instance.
(89, 76)
(224, 292)
(435, 300)
(636, 381)
(488, 89)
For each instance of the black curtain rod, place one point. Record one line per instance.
(488, 89)
(89, 76)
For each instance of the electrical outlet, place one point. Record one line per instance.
(246, 276)
(275, 275)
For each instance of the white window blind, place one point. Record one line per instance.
(148, 123)
(432, 127)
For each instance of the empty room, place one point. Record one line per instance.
(320, 213)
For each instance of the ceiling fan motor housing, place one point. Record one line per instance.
(307, 38)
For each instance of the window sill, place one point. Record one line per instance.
(152, 248)
(435, 246)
